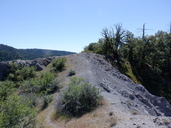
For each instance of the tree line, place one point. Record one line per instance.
(149, 56)
(8, 53)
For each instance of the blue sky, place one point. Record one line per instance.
(71, 25)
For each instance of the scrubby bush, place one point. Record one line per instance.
(48, 83)
(29, 86)
(13, 67)
(71, 73)
(39, 90)
(6, 88)
(19, 73)
(58, 64)
(16, 113)
(27, 93)
(79, 98)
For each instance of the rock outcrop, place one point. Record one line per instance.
(39, 63)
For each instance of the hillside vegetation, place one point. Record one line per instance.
(25, 93)
(9, 53)
(146, 59)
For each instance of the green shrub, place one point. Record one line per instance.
(46, 84)
(58, 64)
(6, 88)
(38, 90)
(71, 73)
(17, 73)
(33, 98)
(26, 72)
(79, 98)
(13, 67)
(16, 113)
(29, 86)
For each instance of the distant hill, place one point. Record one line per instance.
(9, 53)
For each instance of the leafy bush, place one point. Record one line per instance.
(92, 47)
(38, 90)
(15, 112)
(13, 67)
(6, 88)
(29, 86)
(58, 64)
(79, 98)
(46, 84)
(18, 73)
(71, 73)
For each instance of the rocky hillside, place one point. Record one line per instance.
(39, 63)
(97, 71)
(125, 104)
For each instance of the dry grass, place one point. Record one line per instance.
(99, 118)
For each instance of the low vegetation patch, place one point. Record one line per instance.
(39, 90)
(58, 64)
(25, 92)
(20, 73)
(15, 112)
(79, 98)
(71, 73)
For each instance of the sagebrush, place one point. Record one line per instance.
(58, 64)
(80, 97)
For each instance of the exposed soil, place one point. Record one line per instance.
(125, 105)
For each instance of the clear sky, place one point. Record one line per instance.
(71, 25)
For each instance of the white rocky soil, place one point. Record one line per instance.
(126, 104)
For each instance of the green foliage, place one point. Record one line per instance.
(149, 57)
(18, 73)
(16, 113)
(38, 90)
(113, 40)
(9, 53)
(79, 98)
(92, 47)
(46, 84)
(58, 64)
(6, 88)
(71, 73)
(33, 92)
